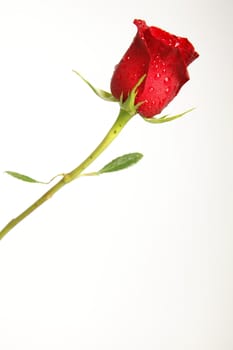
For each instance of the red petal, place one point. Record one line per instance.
(182, 44)
(130, 69)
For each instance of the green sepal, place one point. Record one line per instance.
(166, 118)
(129, 104)
(107, 96)
(121, 163)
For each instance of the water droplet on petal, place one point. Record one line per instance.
(170, 42)
(151, 89)
(166, 79)
(167, 90)
(157, 75)
(126, 58)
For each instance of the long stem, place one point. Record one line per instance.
(119, 124)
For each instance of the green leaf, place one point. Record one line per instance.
(107, 96)
(166, 118)
(29, 179)
(122, 162)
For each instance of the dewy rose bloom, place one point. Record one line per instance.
(164, 58)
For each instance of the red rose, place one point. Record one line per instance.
(164, 58)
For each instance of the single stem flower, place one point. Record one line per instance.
(148, 77)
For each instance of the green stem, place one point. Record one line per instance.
(119, 124)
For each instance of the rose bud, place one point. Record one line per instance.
(164, 58)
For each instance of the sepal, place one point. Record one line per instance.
(166, 118)
(129, 104)
(107, 96)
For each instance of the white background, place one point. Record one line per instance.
(140, 259)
